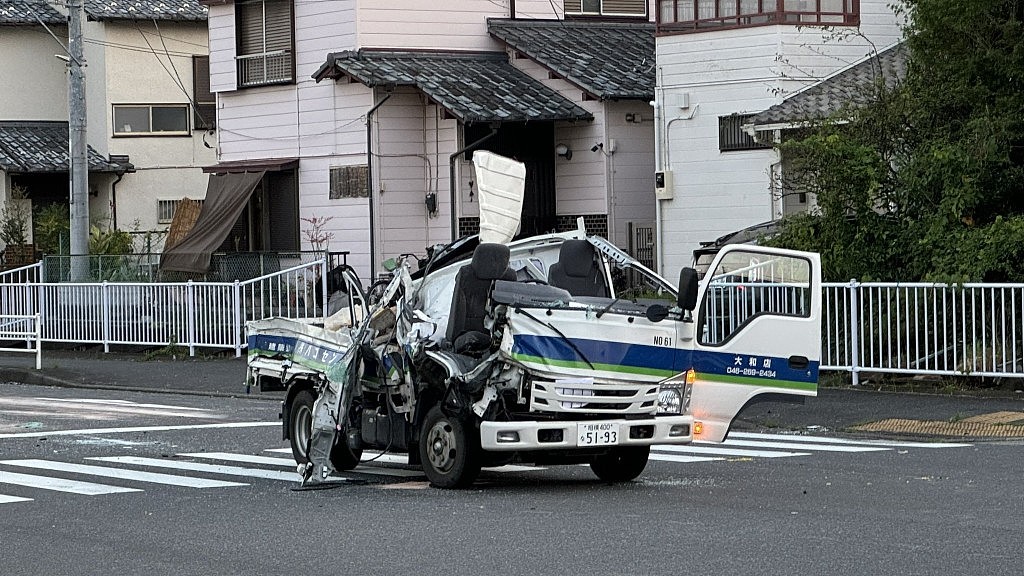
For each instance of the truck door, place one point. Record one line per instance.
(758, 331)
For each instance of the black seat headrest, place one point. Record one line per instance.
(576, 258)
(490, 261)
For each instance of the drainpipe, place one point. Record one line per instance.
(113, 200)
(512, 9)
(369, 180)
(451, 178)
(659, 165)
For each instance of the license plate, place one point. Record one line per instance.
(597, 434)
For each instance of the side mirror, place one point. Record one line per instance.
(687, 289)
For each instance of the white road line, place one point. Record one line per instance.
(681, 458)
(796, 446)
(511, 468)
(201, 467)
(711, 450)
(279, 450)
(61, 485)
(5, 499)
(89, 431)
(122, 473)
(120, 403)
(247, 458)
(377, 457)
(825, 440)
(290, 463)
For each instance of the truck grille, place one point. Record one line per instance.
(581, 396)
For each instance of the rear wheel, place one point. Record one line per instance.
(300, 428)
(449, 450)
(621, 464)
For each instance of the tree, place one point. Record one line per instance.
(927, 182)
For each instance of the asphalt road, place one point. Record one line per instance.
(774, 504)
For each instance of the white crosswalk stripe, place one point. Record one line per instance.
(290, 463)
(61, 484)
(122, 473)
(202, 467)
(743, 445)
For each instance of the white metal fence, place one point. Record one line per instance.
(189, 314)
(896, 328)
(919, 328)
(25, 329)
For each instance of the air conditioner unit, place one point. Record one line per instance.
(663, 189)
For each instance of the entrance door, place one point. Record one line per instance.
(532, 144)
(758, 331)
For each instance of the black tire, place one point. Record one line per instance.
(300, 427)
(449, 450)
(621, 464)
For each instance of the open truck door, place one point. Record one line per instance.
(757, 331)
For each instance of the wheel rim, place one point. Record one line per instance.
(302, 427)
(441, 446)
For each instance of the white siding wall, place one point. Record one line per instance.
(34, 81)
(631, 195)
(134, 72)
(415, 24)
(738, 71)
(411, 159)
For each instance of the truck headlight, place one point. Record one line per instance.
(670, 401)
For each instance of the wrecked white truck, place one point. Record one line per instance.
(555, 349)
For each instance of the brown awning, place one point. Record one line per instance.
(226, 197)
(257, 165)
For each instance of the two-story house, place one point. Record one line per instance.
(720, 62)
(365, 113)
(149, 112)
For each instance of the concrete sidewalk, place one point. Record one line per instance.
(850, 410)
(211, 376)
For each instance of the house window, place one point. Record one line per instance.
(204, 102)
(151, 120)
(732, 137)
(349, 182)
(265, 51)
(606, 7)
(165, 209)
(699, 15)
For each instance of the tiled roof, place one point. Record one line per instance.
(25, 11)
(609, 60)
(169, 10)
(42, 147)
(851, 87)
(473, 87)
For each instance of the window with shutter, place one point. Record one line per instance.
(732, 137)
(606, 7)
(265, 33)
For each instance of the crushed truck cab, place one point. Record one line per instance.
(554, 349)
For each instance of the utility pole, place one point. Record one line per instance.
(78, 145)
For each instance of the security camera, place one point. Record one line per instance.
(597, 147)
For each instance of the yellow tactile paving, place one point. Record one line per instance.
(938, 427)
(997, 418)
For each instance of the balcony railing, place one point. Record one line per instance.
(701, 15)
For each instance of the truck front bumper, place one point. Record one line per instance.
(553, 435)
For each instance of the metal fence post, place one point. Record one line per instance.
(854, 332)
(190, 296)
(39, 343)
(239, 327)
(323, 292)
(105, 299)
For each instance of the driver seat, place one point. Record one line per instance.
(473, 285)
(577, 270)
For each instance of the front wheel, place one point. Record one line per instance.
(449, 450)
(300, 429)
(621, 464)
